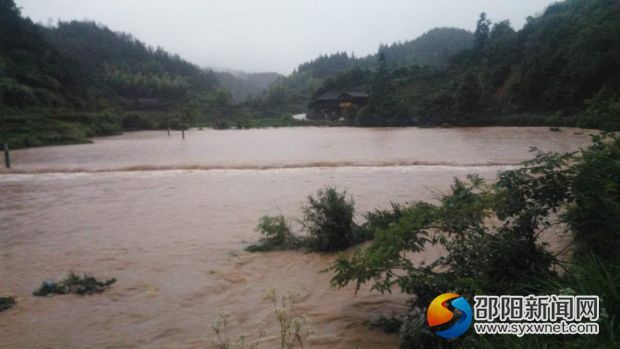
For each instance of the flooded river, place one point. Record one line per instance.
(169, 218)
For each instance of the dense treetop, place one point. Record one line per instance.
(564, 63)
(293, 93)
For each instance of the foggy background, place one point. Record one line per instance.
(276, 35)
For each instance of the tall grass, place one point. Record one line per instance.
(293, 326)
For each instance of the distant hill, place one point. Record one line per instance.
(122, 69)
(78, 79)
(561, 68)
(433, 48)
(293, 93)
(242, 85)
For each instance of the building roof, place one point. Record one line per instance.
(335, 95)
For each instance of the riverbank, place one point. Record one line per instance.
(45, 127)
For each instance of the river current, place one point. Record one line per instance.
(169, 218)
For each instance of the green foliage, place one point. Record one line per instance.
(476, 257)
(81, 285)
(415, 333)
(286, 96)
(277, 235)
(586, 275)
(603, 110)
(595, 189)
(433, 48)
(590, 274)
(562, 64)
(69, 82)
(382, 218)
(388, 325)
(482, 33)
(293, 93)
(6, 303)
(328, 220)
(491, 237)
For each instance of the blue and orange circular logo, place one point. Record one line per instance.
(449, 309)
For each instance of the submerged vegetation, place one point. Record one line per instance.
(293, 325)
(81, 285)
(327, 222)
(491, 235)
(6, 303)
(277, 235)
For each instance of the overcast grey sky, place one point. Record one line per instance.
(276, 35)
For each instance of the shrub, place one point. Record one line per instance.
(276, 233)
(595, 214)
(81, 285)
(328, 219)
(6, 303)
(603, 110)
(504, 257)
(589, 274)
(382, 218)
(414, 333)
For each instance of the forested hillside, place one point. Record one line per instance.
(562, 68)
(243, 86)
(433, 48)
(293, 93)
(74, 80)
(78, 79)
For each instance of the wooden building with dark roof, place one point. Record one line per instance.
(337, 102)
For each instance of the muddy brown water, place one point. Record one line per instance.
(169, 219)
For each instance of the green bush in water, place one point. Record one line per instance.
(276, 233)
(328, 219)
(82, 285)
(6, 303)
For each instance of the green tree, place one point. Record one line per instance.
(481, 35)
(328, 219)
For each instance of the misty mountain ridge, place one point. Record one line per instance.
(243, 85)
(293, 93)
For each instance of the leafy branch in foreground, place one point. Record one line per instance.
(491, 235)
